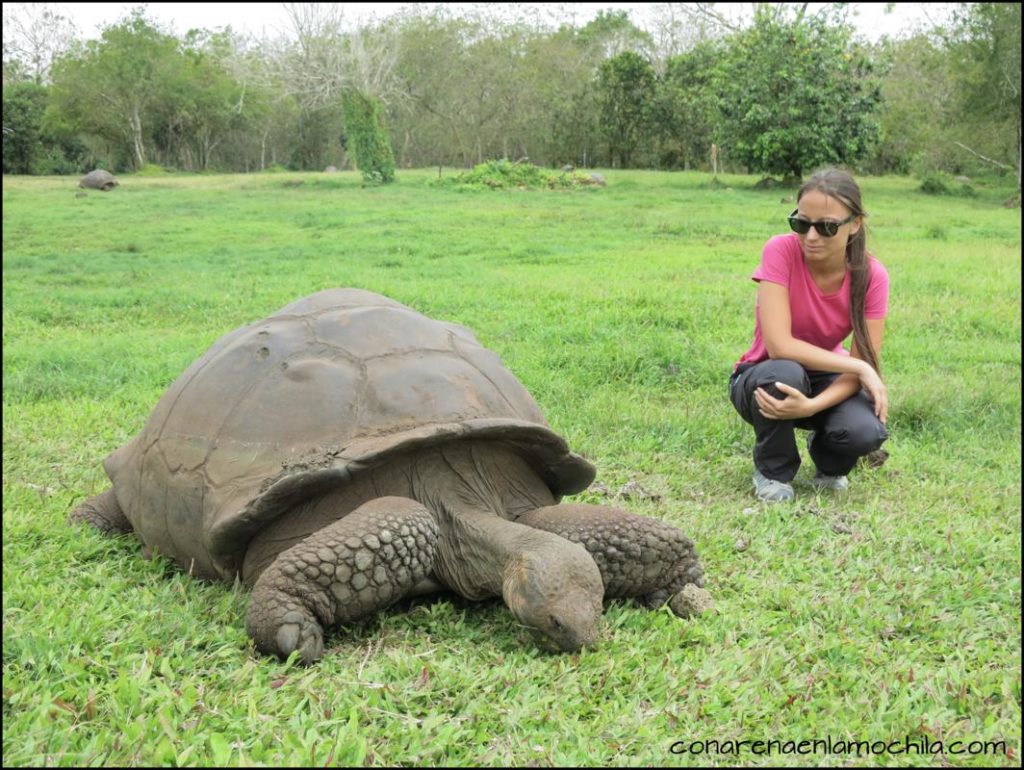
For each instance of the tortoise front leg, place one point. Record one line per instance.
(345, 571)
(103, 513)
(638, 556)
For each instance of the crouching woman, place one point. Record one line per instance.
(815, 286)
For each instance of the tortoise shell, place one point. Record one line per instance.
(288, 407)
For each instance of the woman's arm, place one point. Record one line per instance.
(854, 373)
(776, 330)
(846, 385)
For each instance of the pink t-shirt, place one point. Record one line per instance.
(820, 319)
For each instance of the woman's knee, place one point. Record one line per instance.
(785, 371)
(857, 438)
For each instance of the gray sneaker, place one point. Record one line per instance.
(770, 490)
(835, 483)
(823, 482)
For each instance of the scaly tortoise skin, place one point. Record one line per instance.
(348, 452)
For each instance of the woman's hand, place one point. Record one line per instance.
(795, 406)
(876, 390)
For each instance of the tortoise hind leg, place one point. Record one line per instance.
(349, 569)
(638, 556)
(103, 513)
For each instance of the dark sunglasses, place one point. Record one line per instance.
(826, 228)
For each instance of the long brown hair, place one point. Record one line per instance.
(838, 184)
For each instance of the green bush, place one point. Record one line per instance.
(932, 184)
(52, 160)
(503, 174)
(935, 183)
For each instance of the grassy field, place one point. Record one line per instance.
(891, 613)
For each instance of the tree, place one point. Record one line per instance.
(35, 35)
(111, 87)
(353, 71)
(680, 27)
(429, 73)
(34, 141)
(684, 108)
(368, 138)
(795, 94)
(371, 55)
(589, 100)
(558, 109)
(986, 48)
(24, 104)
(204, 101)
(200, 103)
(268, 109)
(482, 87)
(917, 114)
(611, 33)
(626, 88)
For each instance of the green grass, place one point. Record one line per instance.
(892, 611)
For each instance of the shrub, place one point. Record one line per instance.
(932, 184)
(939, 184)
(503, 174)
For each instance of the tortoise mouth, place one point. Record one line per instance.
(565, 642)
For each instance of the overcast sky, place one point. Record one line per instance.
(268, 18)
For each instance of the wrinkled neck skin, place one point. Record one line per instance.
(551, 585)
(472, 487)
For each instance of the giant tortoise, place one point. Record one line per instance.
(347, 452)
(99, 179)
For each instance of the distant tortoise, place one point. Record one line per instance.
(99, 180)
(348, 452)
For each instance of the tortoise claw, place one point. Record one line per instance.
(691, 601)
(294, 628)
(280, 624)
(300, 631)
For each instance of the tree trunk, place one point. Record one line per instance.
(1018, 154)
(138, 148)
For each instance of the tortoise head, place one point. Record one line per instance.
(556, 593)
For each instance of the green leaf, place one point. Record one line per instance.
(220, 749)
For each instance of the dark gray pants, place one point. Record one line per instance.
(843, 433)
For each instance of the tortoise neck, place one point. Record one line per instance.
(473, 488)
(472, 560)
